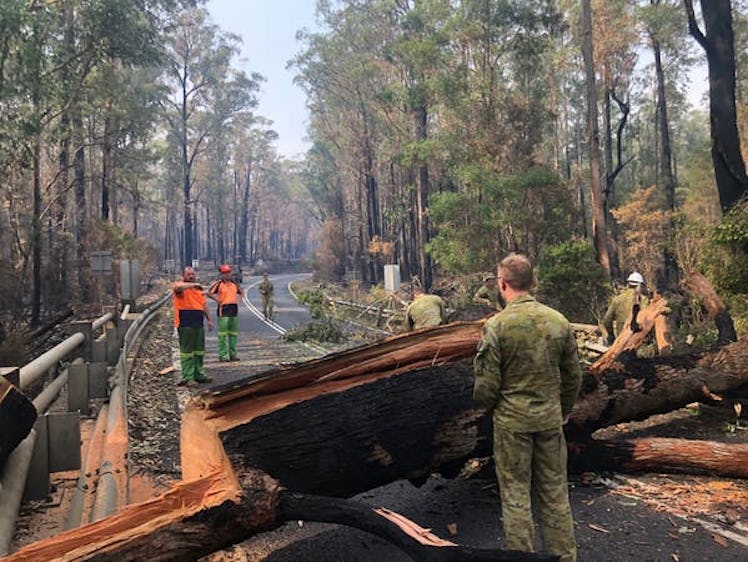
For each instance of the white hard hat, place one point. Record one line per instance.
(635, 277)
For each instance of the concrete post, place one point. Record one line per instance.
(86, 329)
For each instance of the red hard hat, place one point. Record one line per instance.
(225, 268)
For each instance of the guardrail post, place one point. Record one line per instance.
(57, 448)
(85, 328)
(78, 387)
(98, 350)
(98, 377)
(112, 345)
(37, 480)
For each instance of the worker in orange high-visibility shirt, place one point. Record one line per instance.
(227, 292)
(190, 307)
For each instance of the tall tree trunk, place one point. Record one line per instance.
(107, 196)
(422, 196)
(599, 234)
(81, 231)
(36, 240)
(60, 243)
(719, 45)
(666, 165)
(186, 180)
(244, 221)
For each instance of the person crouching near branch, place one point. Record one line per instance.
(424, 311)
(527, 375)
(190, 307)
(227, 292)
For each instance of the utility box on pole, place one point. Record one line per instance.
(391, 278)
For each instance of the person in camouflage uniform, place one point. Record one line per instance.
(620, 311)
(527, 375)
(266, 291)
(424, 311)
(488, 293)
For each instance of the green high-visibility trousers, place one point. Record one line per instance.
(191, 352)
(228, 330)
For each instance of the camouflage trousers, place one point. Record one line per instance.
(534, 462)
(267, 307)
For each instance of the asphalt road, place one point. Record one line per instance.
(260, 343)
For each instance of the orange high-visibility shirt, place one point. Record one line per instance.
(189, 306)
(227, 291)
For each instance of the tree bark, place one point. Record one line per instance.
(719, 44)
(661, 455)
(700, 287)
(599, 234)
(189, 522)
(17, 417)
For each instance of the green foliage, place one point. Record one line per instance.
(571, 281)
(725, 262)
(325, 330)
(315, 301)
(497, 213)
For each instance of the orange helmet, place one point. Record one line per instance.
(225, 268)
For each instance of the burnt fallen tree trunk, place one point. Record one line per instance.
(661, 455)
(202, 516)
(349, 422)
(17, 417)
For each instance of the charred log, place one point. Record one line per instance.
(700, 287)
(17, 417)
(412, 539)
(660, 455)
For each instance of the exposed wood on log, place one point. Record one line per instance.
(662, 455)
(189, 520)
(700, 287)
(628, 340)
(17, 417)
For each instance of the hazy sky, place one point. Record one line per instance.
(268, 31)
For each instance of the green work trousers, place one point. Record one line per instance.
(537, 462)
(267, 307)
(228, 330)
(191, 352)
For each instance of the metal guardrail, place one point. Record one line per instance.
(17, 466)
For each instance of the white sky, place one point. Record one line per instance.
(268, 31)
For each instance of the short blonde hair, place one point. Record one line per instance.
(517, 271)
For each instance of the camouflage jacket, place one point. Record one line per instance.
(425, 311)
(490, 294)
(266, 288)
(526, 368)
(618, 315)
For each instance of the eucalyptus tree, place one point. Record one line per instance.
(251, 150)
(718, 42)
(599, 233)
(342, 72)
(199, 69)
(230, 110)
(666, 35)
